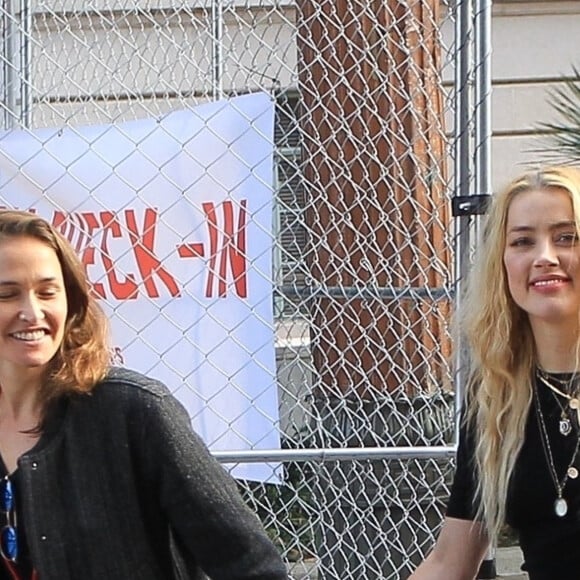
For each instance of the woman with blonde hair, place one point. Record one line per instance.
(101, 476)
(518, 459)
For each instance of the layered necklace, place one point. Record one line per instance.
(567, 390)
(562, 389)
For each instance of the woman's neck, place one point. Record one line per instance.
(20, 399)
(556, 344)
(556, 353)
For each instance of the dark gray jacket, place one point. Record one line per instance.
(119, 487)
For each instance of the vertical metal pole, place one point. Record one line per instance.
(463, 49)
(482, 160)
(462, 169)
(217, 23)
(16, 81)
(26, 63)
(483, 90)
(9, 54)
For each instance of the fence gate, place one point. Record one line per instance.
(381, 121)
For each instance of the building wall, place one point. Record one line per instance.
(535, 45)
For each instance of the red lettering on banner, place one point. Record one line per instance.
(78, 228)
(127, 289)
(143, 249)
(84, 225)
(227, 253)
(232, 252)
(195, 250)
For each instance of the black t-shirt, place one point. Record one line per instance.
(550, 544)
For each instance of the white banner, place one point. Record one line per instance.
(172, 218)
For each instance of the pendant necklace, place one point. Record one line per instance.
(565, 426)
(560, 504)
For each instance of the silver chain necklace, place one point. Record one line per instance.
(565, 425)
(560, 504)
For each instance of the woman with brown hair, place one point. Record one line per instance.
(518, 457)
(101, 476)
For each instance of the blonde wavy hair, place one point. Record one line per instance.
(501, 349)
(84, 356)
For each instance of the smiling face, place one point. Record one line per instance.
(542, 257)
(33, 305)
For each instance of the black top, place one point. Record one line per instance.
(119, 487)
(549, 543)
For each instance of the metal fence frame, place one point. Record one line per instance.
(472, 170)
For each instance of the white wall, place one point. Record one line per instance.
(535, 45)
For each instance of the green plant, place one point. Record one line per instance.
(560, 141)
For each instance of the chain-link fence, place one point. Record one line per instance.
(372, 135)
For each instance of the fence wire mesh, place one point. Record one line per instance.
(362, 243)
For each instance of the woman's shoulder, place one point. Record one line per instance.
(133, 381)
(130, 389)
(125, 393)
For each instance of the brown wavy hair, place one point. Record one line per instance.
(83, 357)
(502, 348)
